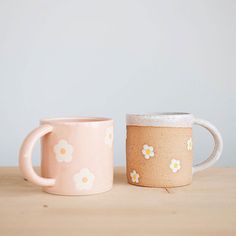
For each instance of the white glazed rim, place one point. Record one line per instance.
(164, 119)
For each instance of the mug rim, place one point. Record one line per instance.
(168, 119)
(73, 120)
(152, 114)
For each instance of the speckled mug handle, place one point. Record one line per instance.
(25, 162)
(215, 155)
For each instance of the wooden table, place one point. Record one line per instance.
(207, 207)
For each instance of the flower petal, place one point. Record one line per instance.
(78, 178)
(68, 159)
(144, 152)
(175, 170)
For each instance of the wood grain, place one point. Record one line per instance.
(207, 207)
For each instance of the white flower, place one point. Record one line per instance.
(148, 151)
(190, 144)
(134, 176)
(84, 179)
(63, 151)
(175, 165)
(109, 136)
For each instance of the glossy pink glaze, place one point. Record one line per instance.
(77, 155)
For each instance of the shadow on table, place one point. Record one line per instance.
(17, 186)
(120, 178)
(12, 183)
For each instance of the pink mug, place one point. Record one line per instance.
(77, 155)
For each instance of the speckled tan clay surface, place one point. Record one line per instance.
(168, 143)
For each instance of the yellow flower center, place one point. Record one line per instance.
(84, 179)
(148, 152)
(176, 165)
(63, 151)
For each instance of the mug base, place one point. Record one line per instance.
(84, 193)
(161, 186)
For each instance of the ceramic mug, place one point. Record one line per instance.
(77, 155)
(159, 149)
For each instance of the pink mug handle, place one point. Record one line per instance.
(25, 162)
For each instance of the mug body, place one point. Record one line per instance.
(78, 154)
(159, 149)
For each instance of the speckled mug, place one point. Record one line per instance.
(77, 155)
(159, 149)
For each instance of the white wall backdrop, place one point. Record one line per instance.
(106, 58)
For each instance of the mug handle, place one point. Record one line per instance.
(215, 155)
(25, 162)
